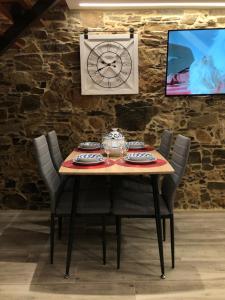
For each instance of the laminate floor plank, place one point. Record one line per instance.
(25, 272)
(109, 291)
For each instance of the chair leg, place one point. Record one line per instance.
(103, 240)
(172, 240)
(71, 225)
(158, 223)
(118, 234)
(70, 245)
(164, 229)
(52, 237)
(59, 227)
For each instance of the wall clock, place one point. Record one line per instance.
(109, 64)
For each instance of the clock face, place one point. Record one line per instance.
(109, 64)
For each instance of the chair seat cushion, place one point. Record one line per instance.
(93, 201)
(86, 182)
(130, 203)
(134, 183)
(64, 203)
(67, 183)
(94, 182)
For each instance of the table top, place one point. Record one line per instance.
(116, 169)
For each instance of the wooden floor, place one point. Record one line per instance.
(25, 272)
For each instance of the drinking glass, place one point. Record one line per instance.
(124, 148)
(107, 147)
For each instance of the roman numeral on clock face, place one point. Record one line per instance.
(92, 65)
(109, 64)
(109, 83)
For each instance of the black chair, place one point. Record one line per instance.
(140, 182)
(135, 181)
(166, 142)
(57, 159)
(85, 181)
(54, 149)
(90, 201)
(140, 203)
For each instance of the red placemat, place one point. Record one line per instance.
(157, 163)
(148, 148)
(88, 151)
(71, 165)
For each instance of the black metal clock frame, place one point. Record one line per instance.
(99, 64)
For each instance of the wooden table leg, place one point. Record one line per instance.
(158, 222)
(71, 225)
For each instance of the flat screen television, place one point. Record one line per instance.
(195, 62)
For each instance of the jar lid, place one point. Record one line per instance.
(115, 134)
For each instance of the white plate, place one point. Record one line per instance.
(89, 158)
(140, 157)
(136, 145)
(138, 162)
(88, 163)
(89, 146)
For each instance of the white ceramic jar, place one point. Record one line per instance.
(114, 141)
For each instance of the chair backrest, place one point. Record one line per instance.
(165, 144)
(178, 161)
(47, 170)
(54, 149)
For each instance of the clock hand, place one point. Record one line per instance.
(101, 68)
(107, 65)
(114, 71)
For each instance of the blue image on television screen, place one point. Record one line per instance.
(196, 62)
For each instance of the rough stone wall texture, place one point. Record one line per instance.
(40, 91)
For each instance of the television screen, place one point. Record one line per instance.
(195, 62)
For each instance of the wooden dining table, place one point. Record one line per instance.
(116, 167)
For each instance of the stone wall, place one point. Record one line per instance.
(40, 91)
